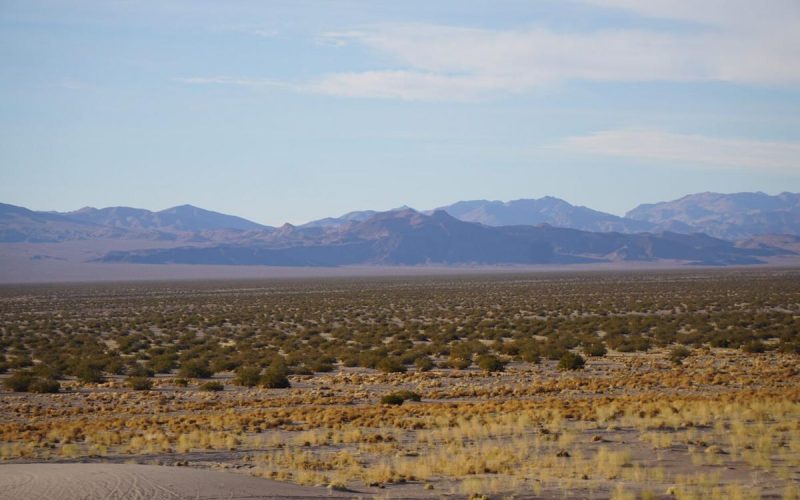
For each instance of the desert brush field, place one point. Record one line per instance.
(670, 384)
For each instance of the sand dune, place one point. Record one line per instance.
(129, 481)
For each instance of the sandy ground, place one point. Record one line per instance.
(131, 481)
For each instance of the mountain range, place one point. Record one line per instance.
(705, 228)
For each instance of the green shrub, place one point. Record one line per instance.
(139, 383)
(571, 361)
(596, 349)
(424, 363)
(391, 365)
(195, 369)
(754, 346)
(247, 376)
(399, 397)
(27, 382)
(490, 363)
(181, 382)
(89, 373)
(18, 382)
(459, 363)
(678, 354)
(392, 399)
(44, 386)
(275, 378)
(212, 386)
(408, 395)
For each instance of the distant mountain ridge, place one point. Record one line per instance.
(730, 216)
(727, 216)
(180, 218)
(408, 237)
(707, 228)
(547, 210)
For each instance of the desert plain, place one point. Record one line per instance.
(662, 384)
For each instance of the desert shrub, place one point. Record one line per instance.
(212, 386)
(399, 397)
(424, 363)
(678, 354)
(392, 399)
(27, 382)
(408, 395)
(162, 364)
(553, 351)
(391, 365)
(754, 346)
(530, 354)
(18, 382)
(320, 365)
(48, 370)
(275, 377)
(88, 372)
(571, 361)
(459, 363)
(139, 370)
(181, 382)
(596, 349)
(490, 363)
(247, 376)
(139, 383)
(44, 386)
(195, 369)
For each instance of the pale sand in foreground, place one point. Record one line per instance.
(130, 481)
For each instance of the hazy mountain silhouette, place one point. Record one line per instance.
(407, 237)
(547, 210)
(729, 216)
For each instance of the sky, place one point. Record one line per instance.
(292, 110)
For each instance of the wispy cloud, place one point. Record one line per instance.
(737, 41)
(686, 150)
(231, 80)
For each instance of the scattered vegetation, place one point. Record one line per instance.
(684, 367)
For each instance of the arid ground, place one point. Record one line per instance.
(668, 384)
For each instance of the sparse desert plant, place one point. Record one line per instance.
(391, 365)
(19, 381)
(248, 376)
(595, 349)
(754, 346)
(490, 363)
(213, 386)
(275, 378)
(424, 363)
(678, 354)
(399, 397)
(44, 386)
(571, 361)
(195, 369)
(139, 383)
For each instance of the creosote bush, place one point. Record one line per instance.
(139, 383)
(399, 397)
(391, 365)
(275, 377)
(490, 363)
(212, 386)
(195, 369)
(571, 361)
(678, 354)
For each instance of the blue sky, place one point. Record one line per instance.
(293, 110)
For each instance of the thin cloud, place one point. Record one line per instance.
(736, 41)
(687, 150)
(231, 80)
